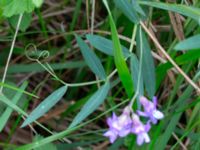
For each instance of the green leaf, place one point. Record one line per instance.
(25, 23)
(5, 116)
(188, 57)
(44, 106)
(17, 89)
(135, 75)
(148, 68)
(105, 45)
(188, 11)
(3, 3)
(127, 9)
(91, 58)
(35, 67)
(137, 7)
(120, 63)
(92, 104)
(16, 7)
(189, 43)
(37, 3)
(49, 146)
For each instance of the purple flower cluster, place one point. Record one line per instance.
(129, 122)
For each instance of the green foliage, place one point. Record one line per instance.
(37, 3)
(91, 59)
(44, 106)
(120, 63)
(5, 116)
(138, 70)
(128, 10)
(92, 104)
(49, 146)
(135, 75)
(188, 11)
(105, 45)
(35, 67)
(189, 43)
(148, 68)
(16, 7)
(26, 21)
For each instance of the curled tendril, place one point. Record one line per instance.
(33, 54)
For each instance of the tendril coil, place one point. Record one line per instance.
(33, 54)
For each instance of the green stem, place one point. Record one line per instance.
(11, 51)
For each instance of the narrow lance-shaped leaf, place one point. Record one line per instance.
(91, 59)
(120, 63)
(137, 7)
(5, 116)
(105, 45)
(189, 43)
(188, 11)
(135, 75)
(148, 68)
(44, 106)
(127, 9)
(92, 104)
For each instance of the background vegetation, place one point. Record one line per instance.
(67, 65)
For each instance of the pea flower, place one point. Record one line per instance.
(150, 110)
(119, 126)
(140, 130)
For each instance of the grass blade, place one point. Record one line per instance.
(5, 116)
(120, 63)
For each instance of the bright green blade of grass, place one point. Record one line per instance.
(91, 58)
(92, 104)
(17, 89)
(189, 43)
(120, 63)
(44, 106)
(5, 116)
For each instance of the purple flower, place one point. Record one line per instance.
(150, 109)
(140, 130)
(119, 126)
